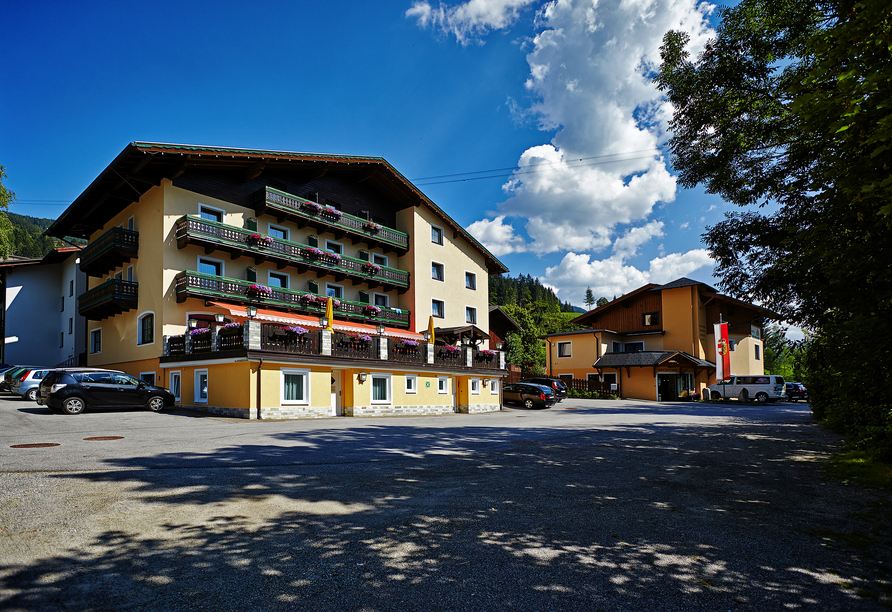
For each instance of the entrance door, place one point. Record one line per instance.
(336, 403)
(667, 387)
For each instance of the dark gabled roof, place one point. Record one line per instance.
(143, 165)
(580, 320)
(683, 282)
(57, 255)
(501, 312)
(643, 359)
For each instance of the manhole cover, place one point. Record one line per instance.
(101, 438)
(569, 408)
(38, 445)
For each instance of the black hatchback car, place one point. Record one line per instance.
(74, 390)
(796, 391)
(529, 395)
(557, 386)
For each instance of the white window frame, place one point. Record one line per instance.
(209, 259)
(379, 259)
(565, 343)
(475, 386)
(272, 226)
(97, 330)
(139, 340)
(474, 312)
(493, 386)
(294, 372)
(130, 276)
(389, 378)
(616, 345)
(643, 346)
(154, 375)
(442, 385)
(179, 375)
(411, 384)
(442, 234)
(376, 295)
(131, 224)
(119, 275)
(196, 391)
(472, 275)
(340, 245)
(435, 315)
(213, 208)
(269, 277)
(341, 287)
(442, 269)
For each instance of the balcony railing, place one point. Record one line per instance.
(195, 230)
(324, 219)
(195, 284)
(405, 352)
(277, 338)
(111, 298)
(115, 247)
(486, 359)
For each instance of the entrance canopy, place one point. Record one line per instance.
(451, 335)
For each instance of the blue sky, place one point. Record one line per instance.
(436, 89)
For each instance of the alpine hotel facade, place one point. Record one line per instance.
(267, 284)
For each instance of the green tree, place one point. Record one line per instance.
(7, 197)
(787, 114)
(525, 349)
(602, 301)
(589, 300)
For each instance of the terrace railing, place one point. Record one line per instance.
(111, 298)
(113, 248)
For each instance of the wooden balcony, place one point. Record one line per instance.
(306, 213)
(108, 299)
(242, 242)
(190, 284)
(114, 248)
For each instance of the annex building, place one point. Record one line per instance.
(270, 284)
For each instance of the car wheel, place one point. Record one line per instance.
(528, 403)
(73, 405)
(761, 397)
(31, 395)
(156, 403)
(716, 395)
(744, 396)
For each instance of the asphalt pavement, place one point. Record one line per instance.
(590, 505)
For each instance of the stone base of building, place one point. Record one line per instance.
(379, 411)
(295, 412)
(239, 413)
(478, 408)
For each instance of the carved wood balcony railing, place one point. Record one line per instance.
(108, 299)
(115, 247)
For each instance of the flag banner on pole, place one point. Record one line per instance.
(722, 352)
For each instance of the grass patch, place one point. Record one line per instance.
(858, 466)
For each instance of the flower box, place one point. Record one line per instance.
(259, 291)
(259, 240)
(374, 228)
(372, 311)
(334, 213)
(371, 268)
(313, 207)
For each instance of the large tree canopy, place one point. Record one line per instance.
(787, 114)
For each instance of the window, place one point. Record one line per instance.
(651, 318)
(295, 386)
(382, 299)
(277, 231)
(436, 234)
(381, 388)
(437, 271)
(494, 386)
(201, 386)
(119, 275)
(210, 266)
(174, 386)
(758, 357)
(277, 279)
(61, 339)
(334, 291)
(470, 315)
(411, 383)
(147, 377)
(442, 385)
(438, 309)
(130, 274)
(731, 344)
(146, 329)
(130, 224)
(211, 214)
(95, 341)
(470, 281)
(633, 347)
(381, 260)
(475, 386)
(70, 325)
(565, 349)
(63, 304)
(334, 247)
(617, 347)
(71, 288)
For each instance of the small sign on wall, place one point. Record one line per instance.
(427, 384)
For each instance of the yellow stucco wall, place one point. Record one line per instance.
(680, 315)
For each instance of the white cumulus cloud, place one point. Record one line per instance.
(470, 20)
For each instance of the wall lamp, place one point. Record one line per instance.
(362, 377)
(251, 311)
(193, 323)
(427, 335)
(485, 382)
(499, 346)
(219, 317)
(380, 329)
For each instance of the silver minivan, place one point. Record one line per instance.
(761, 388)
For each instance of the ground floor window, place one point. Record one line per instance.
(201, 386)
(442, 384)
(475, 386)
(295, 386)
(494, 386)
(147, 377)
(381, 389)
(96, 341)
(174, 387)
(411, 383)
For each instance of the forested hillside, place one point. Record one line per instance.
(27, 239)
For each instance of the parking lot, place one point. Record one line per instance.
(588, 505)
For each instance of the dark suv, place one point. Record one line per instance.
(74, 390)
(558, 386)
(796, 391)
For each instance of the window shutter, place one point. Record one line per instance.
(363, 296)
(251, 224)
(313, 286)
(364, 255)
(313, 240)
(251, 274)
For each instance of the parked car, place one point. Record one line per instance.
(796, 391)
(26, 384)
(558, 386)
(7, 377)
(761, 388)
(529, 395)
(73, 390)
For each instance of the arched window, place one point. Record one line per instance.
(146, 332)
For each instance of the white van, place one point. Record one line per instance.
(761, 388)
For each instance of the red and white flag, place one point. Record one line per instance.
(722, 352)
